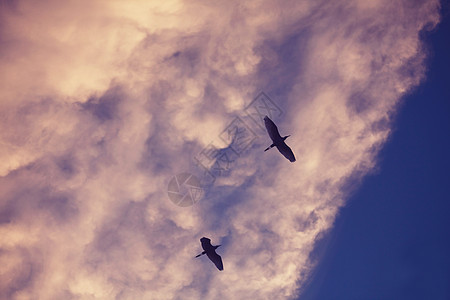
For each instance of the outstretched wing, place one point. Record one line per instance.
(286, 151)
(272, 129)
(216, 259)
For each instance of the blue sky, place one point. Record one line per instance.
(391, 240)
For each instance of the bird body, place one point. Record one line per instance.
(210, 251)
(278, 140)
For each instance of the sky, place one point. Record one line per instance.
(391, 239)
(104, 105)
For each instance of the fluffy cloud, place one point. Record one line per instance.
(101, 103)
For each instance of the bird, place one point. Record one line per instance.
(210, 251)
(277, 140)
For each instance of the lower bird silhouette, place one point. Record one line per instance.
(210, 251)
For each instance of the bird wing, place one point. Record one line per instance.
(206, 243)
(216, 259)
(272, 129)
(286, 151)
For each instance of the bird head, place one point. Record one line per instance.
(285, 137)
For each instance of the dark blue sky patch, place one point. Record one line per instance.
(281, 65)
(37, 196)
(67, 165)
(359, 102)
(105, 108)
(217, 205)
(391, 239)
(157, 157)
(7, 213)
(61, 207)
(159, 151)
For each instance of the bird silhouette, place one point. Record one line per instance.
(277, 140)
(210, 251)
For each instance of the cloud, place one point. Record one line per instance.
(102, 103)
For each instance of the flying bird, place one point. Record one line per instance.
(210, 251)
(277, 140)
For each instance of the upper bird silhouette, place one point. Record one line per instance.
(210, 251)
(277, 140)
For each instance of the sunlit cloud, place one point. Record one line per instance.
(101, 103)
